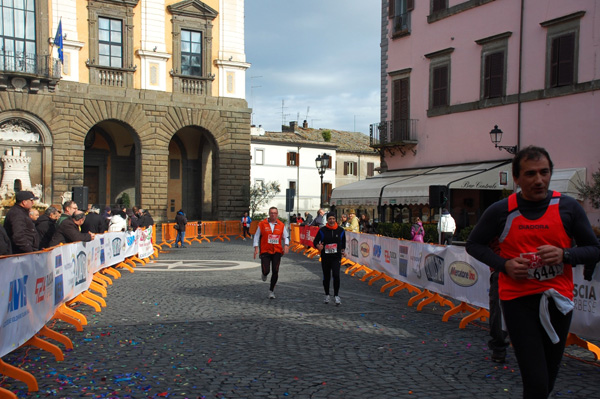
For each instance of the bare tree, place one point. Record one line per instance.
(261, 193)
(591, 191)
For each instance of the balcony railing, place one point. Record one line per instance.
(400, 131)
(402, 23)
(40, 65)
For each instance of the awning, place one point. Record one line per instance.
(411, 186)
(566, 181)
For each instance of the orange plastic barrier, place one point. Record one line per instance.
(233, 228)
(169, 234)
(212, 229)
(192, 233)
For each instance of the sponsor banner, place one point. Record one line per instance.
(451, 272)
(307, 235)
(34, 285)
(144, 247)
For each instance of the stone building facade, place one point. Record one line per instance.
(130, 113)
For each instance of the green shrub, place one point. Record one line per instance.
(463, 234)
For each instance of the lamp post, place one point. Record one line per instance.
(322, 163)
(496, 137)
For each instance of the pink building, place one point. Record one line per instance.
(451, 71)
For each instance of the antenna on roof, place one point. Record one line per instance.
(307, 109)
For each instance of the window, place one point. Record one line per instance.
(110, 42)
(438, 5)
(493, 65)
(192, 47)
(493, 75)
(259, 157)
(350, 168)
(562, 60)
(17, 36)
(400, 110)
(191, 53)
(292, 185)
(293, 159)
(562, 50)
(400, 10)
(439, 78)
(327, 192)
(174, 169)
(370, 169)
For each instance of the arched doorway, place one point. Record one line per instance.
(192, 174)
(112, 164)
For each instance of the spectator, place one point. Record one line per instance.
(118, 221)
(34, 214)
(354, 227)
(106, 215)
(46, 226)
(320, 219)
(447, 226)
(308, 218)
(5, 244)
(93, 222)
(68, 230)
(417, 233)
(19, 226)
(181, 222)
(132, 220)
(145, 219)
(344, 221)
(364, 224)
(299, 219)
(69, 207)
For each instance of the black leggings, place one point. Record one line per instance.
(331, 266)
(270, 262)
(246, 231)
(538, 358)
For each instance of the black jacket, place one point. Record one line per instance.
(5, 244)
(181, 221)
(68, 232)
(93, 223)
(21, 230)
(332, 239)
(46, 228)
(145, 220)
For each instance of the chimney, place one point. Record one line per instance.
(305, 124)
(293, 125)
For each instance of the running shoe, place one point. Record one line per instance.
(326, 300)
(338, 301)
(271, 295)
(264, 277)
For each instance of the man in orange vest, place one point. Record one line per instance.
(272, 242)
(541, 236)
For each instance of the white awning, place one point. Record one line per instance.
(412, 186)
(566, 181)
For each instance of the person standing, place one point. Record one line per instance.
(46, 226)
(417, 233)
(534, 231)
(272, 241)
(19, 226)
(246, 221)
(344, 221)
(354, 227)
(319, 220)
(331, 241)
(34, 214)
(68, 231)
(447, 226)
(181, 223)
(69, 207)
(93, 222)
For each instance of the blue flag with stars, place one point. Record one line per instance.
(58, 41)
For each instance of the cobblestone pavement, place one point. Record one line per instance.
(197, 323)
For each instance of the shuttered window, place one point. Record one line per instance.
(494, 75)
(562, 60)
(293, 159)
(439, 90)
(438, 5)
(370, 169)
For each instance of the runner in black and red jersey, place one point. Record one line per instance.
(541, 236)
(331, 241)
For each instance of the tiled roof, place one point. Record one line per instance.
(345, 141)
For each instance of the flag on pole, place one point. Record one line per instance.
(58, 41)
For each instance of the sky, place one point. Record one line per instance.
(314, 60)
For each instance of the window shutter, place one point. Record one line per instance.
(345, 168)
(355, 168)
(410, 5)
(562, 60)
(297, 159)
(391, 8)
(494, 75)
(370, 169)
(288, 158)
(440, 86)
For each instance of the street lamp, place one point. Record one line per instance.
(322, 163)
(496, 137)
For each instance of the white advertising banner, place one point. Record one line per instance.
(32, 286)
(451, 272)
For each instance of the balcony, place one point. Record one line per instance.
(22, 71)
(401, 25)
(392, 136)
(192, 85)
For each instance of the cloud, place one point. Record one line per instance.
(314, 53)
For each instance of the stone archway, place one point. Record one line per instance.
(192, 162)
(111, 164)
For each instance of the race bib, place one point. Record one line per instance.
(331, 248)
(273, 238)
(539, 271)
